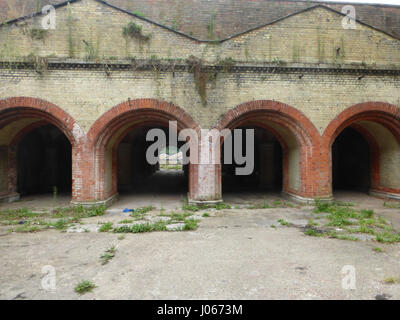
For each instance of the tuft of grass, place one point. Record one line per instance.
(84, 286)
(263, 205)
(190, 224)
(205, 215)
(221, 206)
(191, 207)
(107, 255)
(141, 212)
(61, 224)
(106, 227)
(387, 237)
(125, 221)
(283, 222)
(335, 235)
(367, 213)
(377, 249)
(392, 280)
(313, 233)
(311, 222)
(194, 207)
(142, 227)
(392, 204)
(121, 237)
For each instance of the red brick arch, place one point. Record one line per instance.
(140, 111)
(16, 108)
(385, 114)
(297, 123)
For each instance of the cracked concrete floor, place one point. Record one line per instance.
(235, 254)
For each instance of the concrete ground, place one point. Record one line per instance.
(234, 254)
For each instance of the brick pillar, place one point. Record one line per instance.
(205, 177)
(84, 180)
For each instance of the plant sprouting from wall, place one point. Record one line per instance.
(92, 50)
(227, 64)
(69, 34)
(133, 30)
(201, 77)
(40, 64)
(37, 33)
(321, 49)
(210, 27)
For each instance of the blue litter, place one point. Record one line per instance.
(128, 210)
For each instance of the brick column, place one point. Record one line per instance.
(205, 176)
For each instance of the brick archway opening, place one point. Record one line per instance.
(377, 126)
(36, 142)
(267, 174)
(120, 146)
(293, 141)
(351, 163)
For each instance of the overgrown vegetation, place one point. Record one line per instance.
(345, 222)
(27, 220)
(201, 77)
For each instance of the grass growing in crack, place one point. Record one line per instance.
(191, 207)
(392, 280)
(142, 227)
(311, 222)
(61, 224)
(125, 221)
(121, 237)
(263, 205)
(313, 233)
(107, 255)
(175, 217)
(387, 237)
(364, 221)
(106, 227)
(275, 204)
(392, 205)
(190, 224)
(139, 213)
(283, 222)
(205, 215)
(84, 286)
(194, 207)
(377, 249)
(42, 220)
